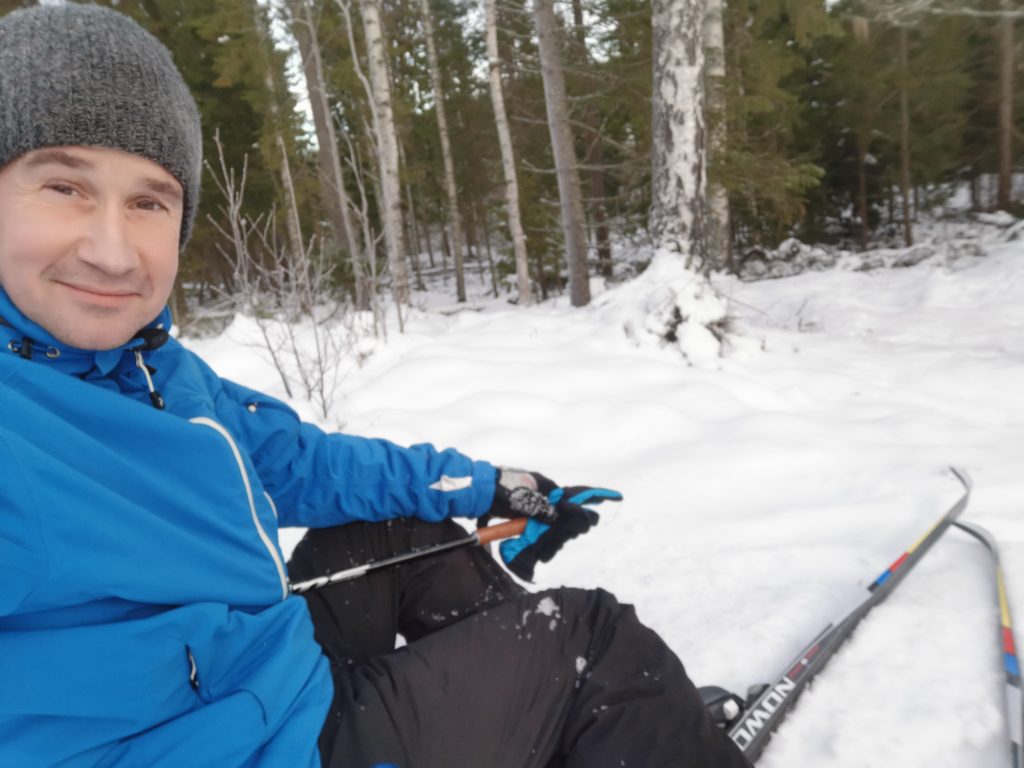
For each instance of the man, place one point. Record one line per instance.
(145, 611)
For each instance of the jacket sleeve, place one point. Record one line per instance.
(319, 479)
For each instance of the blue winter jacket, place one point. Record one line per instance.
(144, 612)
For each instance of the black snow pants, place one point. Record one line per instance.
(491, 676)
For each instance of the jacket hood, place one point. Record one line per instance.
(16, 329)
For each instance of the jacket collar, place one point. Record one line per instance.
(16, 329)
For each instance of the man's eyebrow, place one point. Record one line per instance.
(173, 191)
(58, 157)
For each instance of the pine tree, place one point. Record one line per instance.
(767, 168)
(218, 51)
(562, 148)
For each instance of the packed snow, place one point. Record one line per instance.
(765, 487)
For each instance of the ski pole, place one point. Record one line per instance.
(479, 537)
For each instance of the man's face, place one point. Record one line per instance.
(88, 241)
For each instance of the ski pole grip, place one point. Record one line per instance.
(501, 531)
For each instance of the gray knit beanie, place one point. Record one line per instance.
(88, 75)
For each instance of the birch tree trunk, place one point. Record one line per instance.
(719, 238)
(1005, 196)
(332, 179)
(508, 159)
(679, 173)
(292, 217)
(569, 193)
(387, 148)
(454, 216)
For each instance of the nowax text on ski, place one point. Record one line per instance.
(753, 722)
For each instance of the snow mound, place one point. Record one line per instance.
(670, 305)
(997, 218)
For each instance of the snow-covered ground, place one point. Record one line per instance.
(765, 488)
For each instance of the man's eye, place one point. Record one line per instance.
(151, 205)
(62, 189)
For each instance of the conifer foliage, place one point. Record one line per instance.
(526, 139)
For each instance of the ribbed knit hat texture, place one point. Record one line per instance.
(87, 75)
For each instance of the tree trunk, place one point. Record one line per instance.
(577, 24)
(508, 160)
(387, 148)
(292, 225)
(594, 155)
(602, 242)
(679, 174)
(569, 193)
(719, 241)
(332, 178)
(862, 194)
(473, 242)
(1005, 197)
(415, 255)
(446, 252)
(292, 217)
(487, 248)
(454, 215)
(908, 231)
(430, 248)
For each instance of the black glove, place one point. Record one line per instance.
(557, 515)
(519, 493)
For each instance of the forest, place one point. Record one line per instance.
(372, 141)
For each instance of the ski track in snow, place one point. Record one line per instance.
(763, 491)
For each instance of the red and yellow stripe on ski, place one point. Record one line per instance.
(1009, 647)
(898, 563)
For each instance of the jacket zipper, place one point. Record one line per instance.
(252, 504)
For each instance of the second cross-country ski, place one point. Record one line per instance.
(751, 726)
(1007, 646)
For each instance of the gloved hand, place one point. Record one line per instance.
(557, 515)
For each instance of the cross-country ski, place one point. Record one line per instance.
(755, 724)
(1007, 643)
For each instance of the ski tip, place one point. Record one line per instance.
(975, 529)
(961, 474)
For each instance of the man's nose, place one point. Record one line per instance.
(108, 246)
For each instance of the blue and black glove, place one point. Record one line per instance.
(555, 514)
